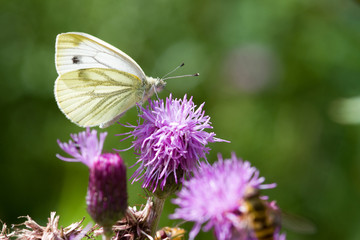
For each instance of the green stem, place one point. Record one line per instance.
(107, 233)
(157, 208)
(106, 237)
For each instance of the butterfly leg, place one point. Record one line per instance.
(139, 111)
(157, 96)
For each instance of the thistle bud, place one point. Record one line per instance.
(107, 196)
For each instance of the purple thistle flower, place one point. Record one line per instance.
(213, 195)
(85, 147)
(279, 236)
(170, 141)
(107, 195)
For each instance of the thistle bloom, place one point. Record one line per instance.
(213, 195)
(107, 196)
(170, 141)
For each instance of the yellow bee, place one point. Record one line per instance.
(258, 217)
(167, 233)
(262, 220)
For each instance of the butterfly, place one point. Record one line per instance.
(97, 82)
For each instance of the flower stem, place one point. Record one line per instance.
(107, 233)
(158, 205)
(106, 237)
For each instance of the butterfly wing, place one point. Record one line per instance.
(76, 51)
(95, 96)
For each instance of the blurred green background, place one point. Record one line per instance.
(270, 71)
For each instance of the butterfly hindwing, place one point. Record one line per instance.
(95, 96)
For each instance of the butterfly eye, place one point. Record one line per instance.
(160, 86)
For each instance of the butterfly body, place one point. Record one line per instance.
(97, 82)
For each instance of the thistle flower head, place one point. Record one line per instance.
(170, 141)
(107, 196)
(212, 196)
(84, 147)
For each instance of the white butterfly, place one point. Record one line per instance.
(97, 82)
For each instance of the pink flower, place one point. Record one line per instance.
(213, 194)
(171, 140)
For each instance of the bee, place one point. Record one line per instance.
(167, 233)
(258, 217)
(262, 219)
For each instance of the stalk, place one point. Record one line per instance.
(157, 208)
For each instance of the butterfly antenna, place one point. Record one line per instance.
(181, 65)
(181, 76)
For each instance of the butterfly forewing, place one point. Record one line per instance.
(76, 51)
(94, 96)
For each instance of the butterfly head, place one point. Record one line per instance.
(152, 85)
(159, 84)
(156, 85)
